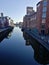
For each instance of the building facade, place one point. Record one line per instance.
(20, 24)
(4, 22)
(43, 16)
(33, 22)
(39, 19)
(29, 11)
(29, 20)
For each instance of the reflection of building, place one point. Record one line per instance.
(26, 38)
(43, 16)
(9, 35)
(5, 34)
(41, 55)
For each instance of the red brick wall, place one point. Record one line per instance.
(39, 17)
(47, 17)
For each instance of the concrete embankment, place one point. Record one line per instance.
(37, 38)
(5, 31)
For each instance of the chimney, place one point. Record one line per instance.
(1, 14)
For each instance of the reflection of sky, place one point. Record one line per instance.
(16, 8)
(14, 50)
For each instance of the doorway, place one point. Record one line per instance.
(43, 32)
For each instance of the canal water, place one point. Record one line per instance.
(15, 50)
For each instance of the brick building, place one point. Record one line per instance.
(29, 11)
(33, 22)
(29, 20)
(4, 21)
(43, 16)
(26, 21)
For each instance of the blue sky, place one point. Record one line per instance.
(16, 9)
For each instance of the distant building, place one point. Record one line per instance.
(33, 22)
(20, 24)
(1, 14)
(4, 22)
(29, 20)
(29, 11)
(43, 16)
(11, 22)
(26, 21)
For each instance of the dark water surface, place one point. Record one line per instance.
(15, 50)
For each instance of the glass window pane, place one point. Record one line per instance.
(44, 15)
(43, 21)
(44, 9)
(43, 26)
(44, 2)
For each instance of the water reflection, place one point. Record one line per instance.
(9, 35)
(6, 35)
(41, 55)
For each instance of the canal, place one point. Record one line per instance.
(15, 50)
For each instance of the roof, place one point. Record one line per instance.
(39, 3)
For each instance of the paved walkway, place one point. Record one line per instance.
(42, 40)
(43, 37)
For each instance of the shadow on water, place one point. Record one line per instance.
(41, 55)
(5, 35)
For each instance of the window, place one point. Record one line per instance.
(43, 26)
(44, 9)
(43, 32)
(44, 15)
(43, 21)
(44, 2)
